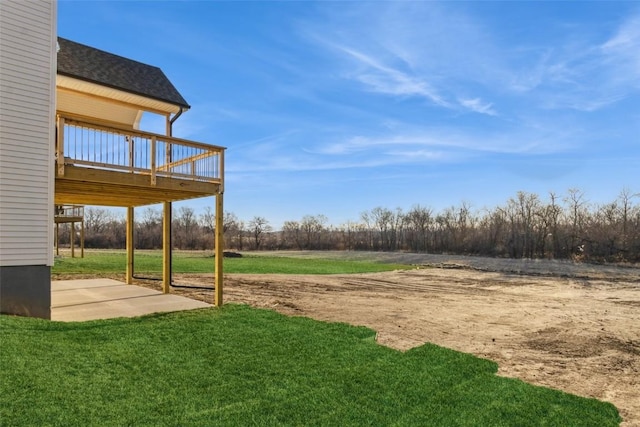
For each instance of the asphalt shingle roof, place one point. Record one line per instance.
(104, 68)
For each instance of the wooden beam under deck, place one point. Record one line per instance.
(87, 186)
(67, 219)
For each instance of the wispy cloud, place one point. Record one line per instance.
(451, 59)
(454, 142)
(389, 80)
(587, 76)
(409, 50)
(400, 147)
(622, 52)
(478, 106)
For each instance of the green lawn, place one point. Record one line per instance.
(150, 262)
(241, 366)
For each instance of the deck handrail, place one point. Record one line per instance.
(69, 211)
(83, 143)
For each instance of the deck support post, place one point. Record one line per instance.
(72, 238)
(57, 238)
(82, 237)
(219, 250)
(130, 244)
(166, 248)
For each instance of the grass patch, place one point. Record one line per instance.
(244, 366)
(150, 262)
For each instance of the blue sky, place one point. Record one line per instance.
(335, 108)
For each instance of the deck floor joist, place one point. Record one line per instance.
(85, 186)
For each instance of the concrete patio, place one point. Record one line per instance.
(91, 299)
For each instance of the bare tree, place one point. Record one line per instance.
(578, 213)
(208, 220)
(353, 236)
(445, 230)
(149, 229)
(292, 235)
(103, 228)
(367, 222)
(233, 230)
(552, 216)
(258, 226)
(312, 228)
(495, 231)
(384, 220)
(464, 223)
(629, 232)
(96, 219)
(186, 228)
(419, 221)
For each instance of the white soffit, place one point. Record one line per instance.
(80, 104)
(136, 101)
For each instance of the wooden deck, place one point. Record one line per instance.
(106, 165)
(110, 166)
(88, 186)
(65, 214)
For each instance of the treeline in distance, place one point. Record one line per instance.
(526, 226)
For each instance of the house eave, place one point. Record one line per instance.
(134, 100)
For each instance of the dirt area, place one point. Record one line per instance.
(568, 326)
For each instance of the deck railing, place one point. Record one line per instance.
(69, 211)
(110, 148)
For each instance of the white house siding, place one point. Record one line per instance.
(27, 112)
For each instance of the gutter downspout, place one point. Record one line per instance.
(173, 119)
(168, 212)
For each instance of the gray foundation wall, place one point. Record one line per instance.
(26, 290)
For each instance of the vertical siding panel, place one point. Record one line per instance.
(27, 113)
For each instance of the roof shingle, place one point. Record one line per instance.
(104, 68)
